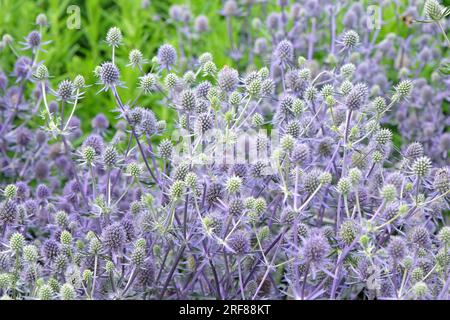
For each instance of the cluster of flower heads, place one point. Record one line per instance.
(328, 209)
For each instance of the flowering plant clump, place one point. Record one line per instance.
(278, 182)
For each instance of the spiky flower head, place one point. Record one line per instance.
(188, 100)
(88, 154)
(41, 20)
(138, 256)
(50, 249)
(347, 70)
(444, 235)
(41, 73)
(16, 242)
(414, 151)
(10, 191)
(348, 231)
(30, 253)
(357, 96)
(201, 24)
(65, 90)
(236, 207)
(203, 123)
(33, 39)
(403, 90)
(383, 136)
(421, 166)
(114, 37)
(165, 148)
(350, 39)
(388, 192)
(257, 120)
(267, 87)
(171, 80)
(315, 249)
(110, 156)
(65, 238)
(134, 170)
(254, 87)
(311, 180)
(67, 292)
(346, 87)
(379, 104)
(287, 143)
(420, 237)
(230, 8)
(284, 51)
(109, 74)
(228, 79)
(441, 181)
(233, 184)
(239, 242)
(45, 292)
(397, 248)
(433, 10)
(344, 185)
(205, 57)
(147, 83)
(167, 56)
(177, 190)
(209, 68)
(113, 236)
(136, 58)
(420, 290)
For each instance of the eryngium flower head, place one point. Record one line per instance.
(146, 274)
(420, 237)
(114, 236)
(201, 23)
(165, 149)
(230, 8)
(65, 90)
(315, 249)
(348, 231)
(421, 166)
(109, 74)
(95, 141)
(50, 249)
(239, 242)
(228, 79)
(8, 212)
(357, 96)
(433, 10)
(284, 51)
(188, 101)
(147, 82)
(114, 37)
(167, 56)
(441, 181)
(41, 72)
(136, 58)
(203, 123)
(42, 191)
(350, 39)
(414, 151)
(33, 39)
(41, 20)
(403, 90)
(397, 248)
(110, 156)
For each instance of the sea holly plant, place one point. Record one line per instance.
(282, 181)
(436, 13)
